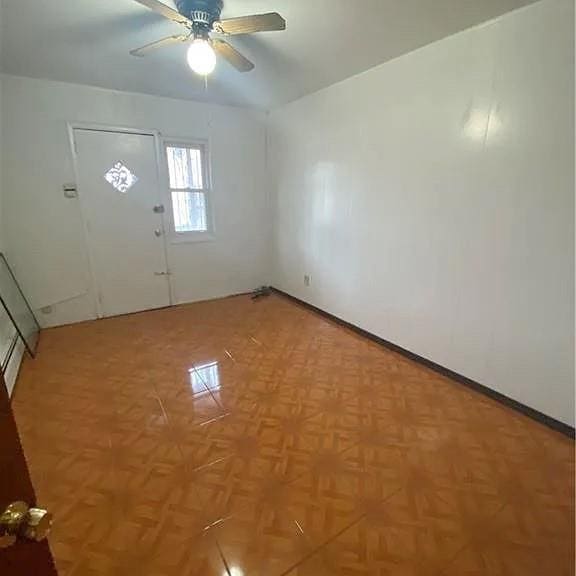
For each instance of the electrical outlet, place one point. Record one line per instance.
(307, 280)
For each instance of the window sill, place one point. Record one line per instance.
(192, 238)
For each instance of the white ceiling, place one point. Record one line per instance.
(87, 42)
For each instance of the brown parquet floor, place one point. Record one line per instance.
(246, 438)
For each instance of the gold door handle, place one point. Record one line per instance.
(21, 521)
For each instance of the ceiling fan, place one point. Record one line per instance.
(201, 18)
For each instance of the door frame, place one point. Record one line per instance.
(93, 127)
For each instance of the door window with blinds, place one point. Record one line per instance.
(189, 190)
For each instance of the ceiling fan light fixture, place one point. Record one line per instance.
(201, 57)
(201, 18)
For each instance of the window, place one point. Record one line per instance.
(189, 188)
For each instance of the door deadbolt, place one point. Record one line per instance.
(159, 209)
(21, 521)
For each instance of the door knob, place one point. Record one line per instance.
(157, 233)
(21, 521)
(159, 209)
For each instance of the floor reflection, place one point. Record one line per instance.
(207, 374)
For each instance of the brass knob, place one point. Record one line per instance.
(19, 520)
(38, 525)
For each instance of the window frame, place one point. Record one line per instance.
(192, 235)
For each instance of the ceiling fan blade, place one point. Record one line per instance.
(165, 11)
(229, 53)
(250, 24)
(143, 50)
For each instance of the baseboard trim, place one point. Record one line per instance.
(481, 388)
(127, 314)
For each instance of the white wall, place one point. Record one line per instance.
(431, 200)
(43, 230)
(7, 329)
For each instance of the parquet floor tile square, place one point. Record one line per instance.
(529, 539)
(262, 543)
(411, 532)
(241, 438)
(315, 565)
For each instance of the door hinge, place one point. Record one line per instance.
(70, 191)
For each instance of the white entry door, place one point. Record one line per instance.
(119, 190)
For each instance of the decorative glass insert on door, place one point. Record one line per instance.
(120, 177)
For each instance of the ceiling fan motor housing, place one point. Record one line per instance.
(202, 13)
